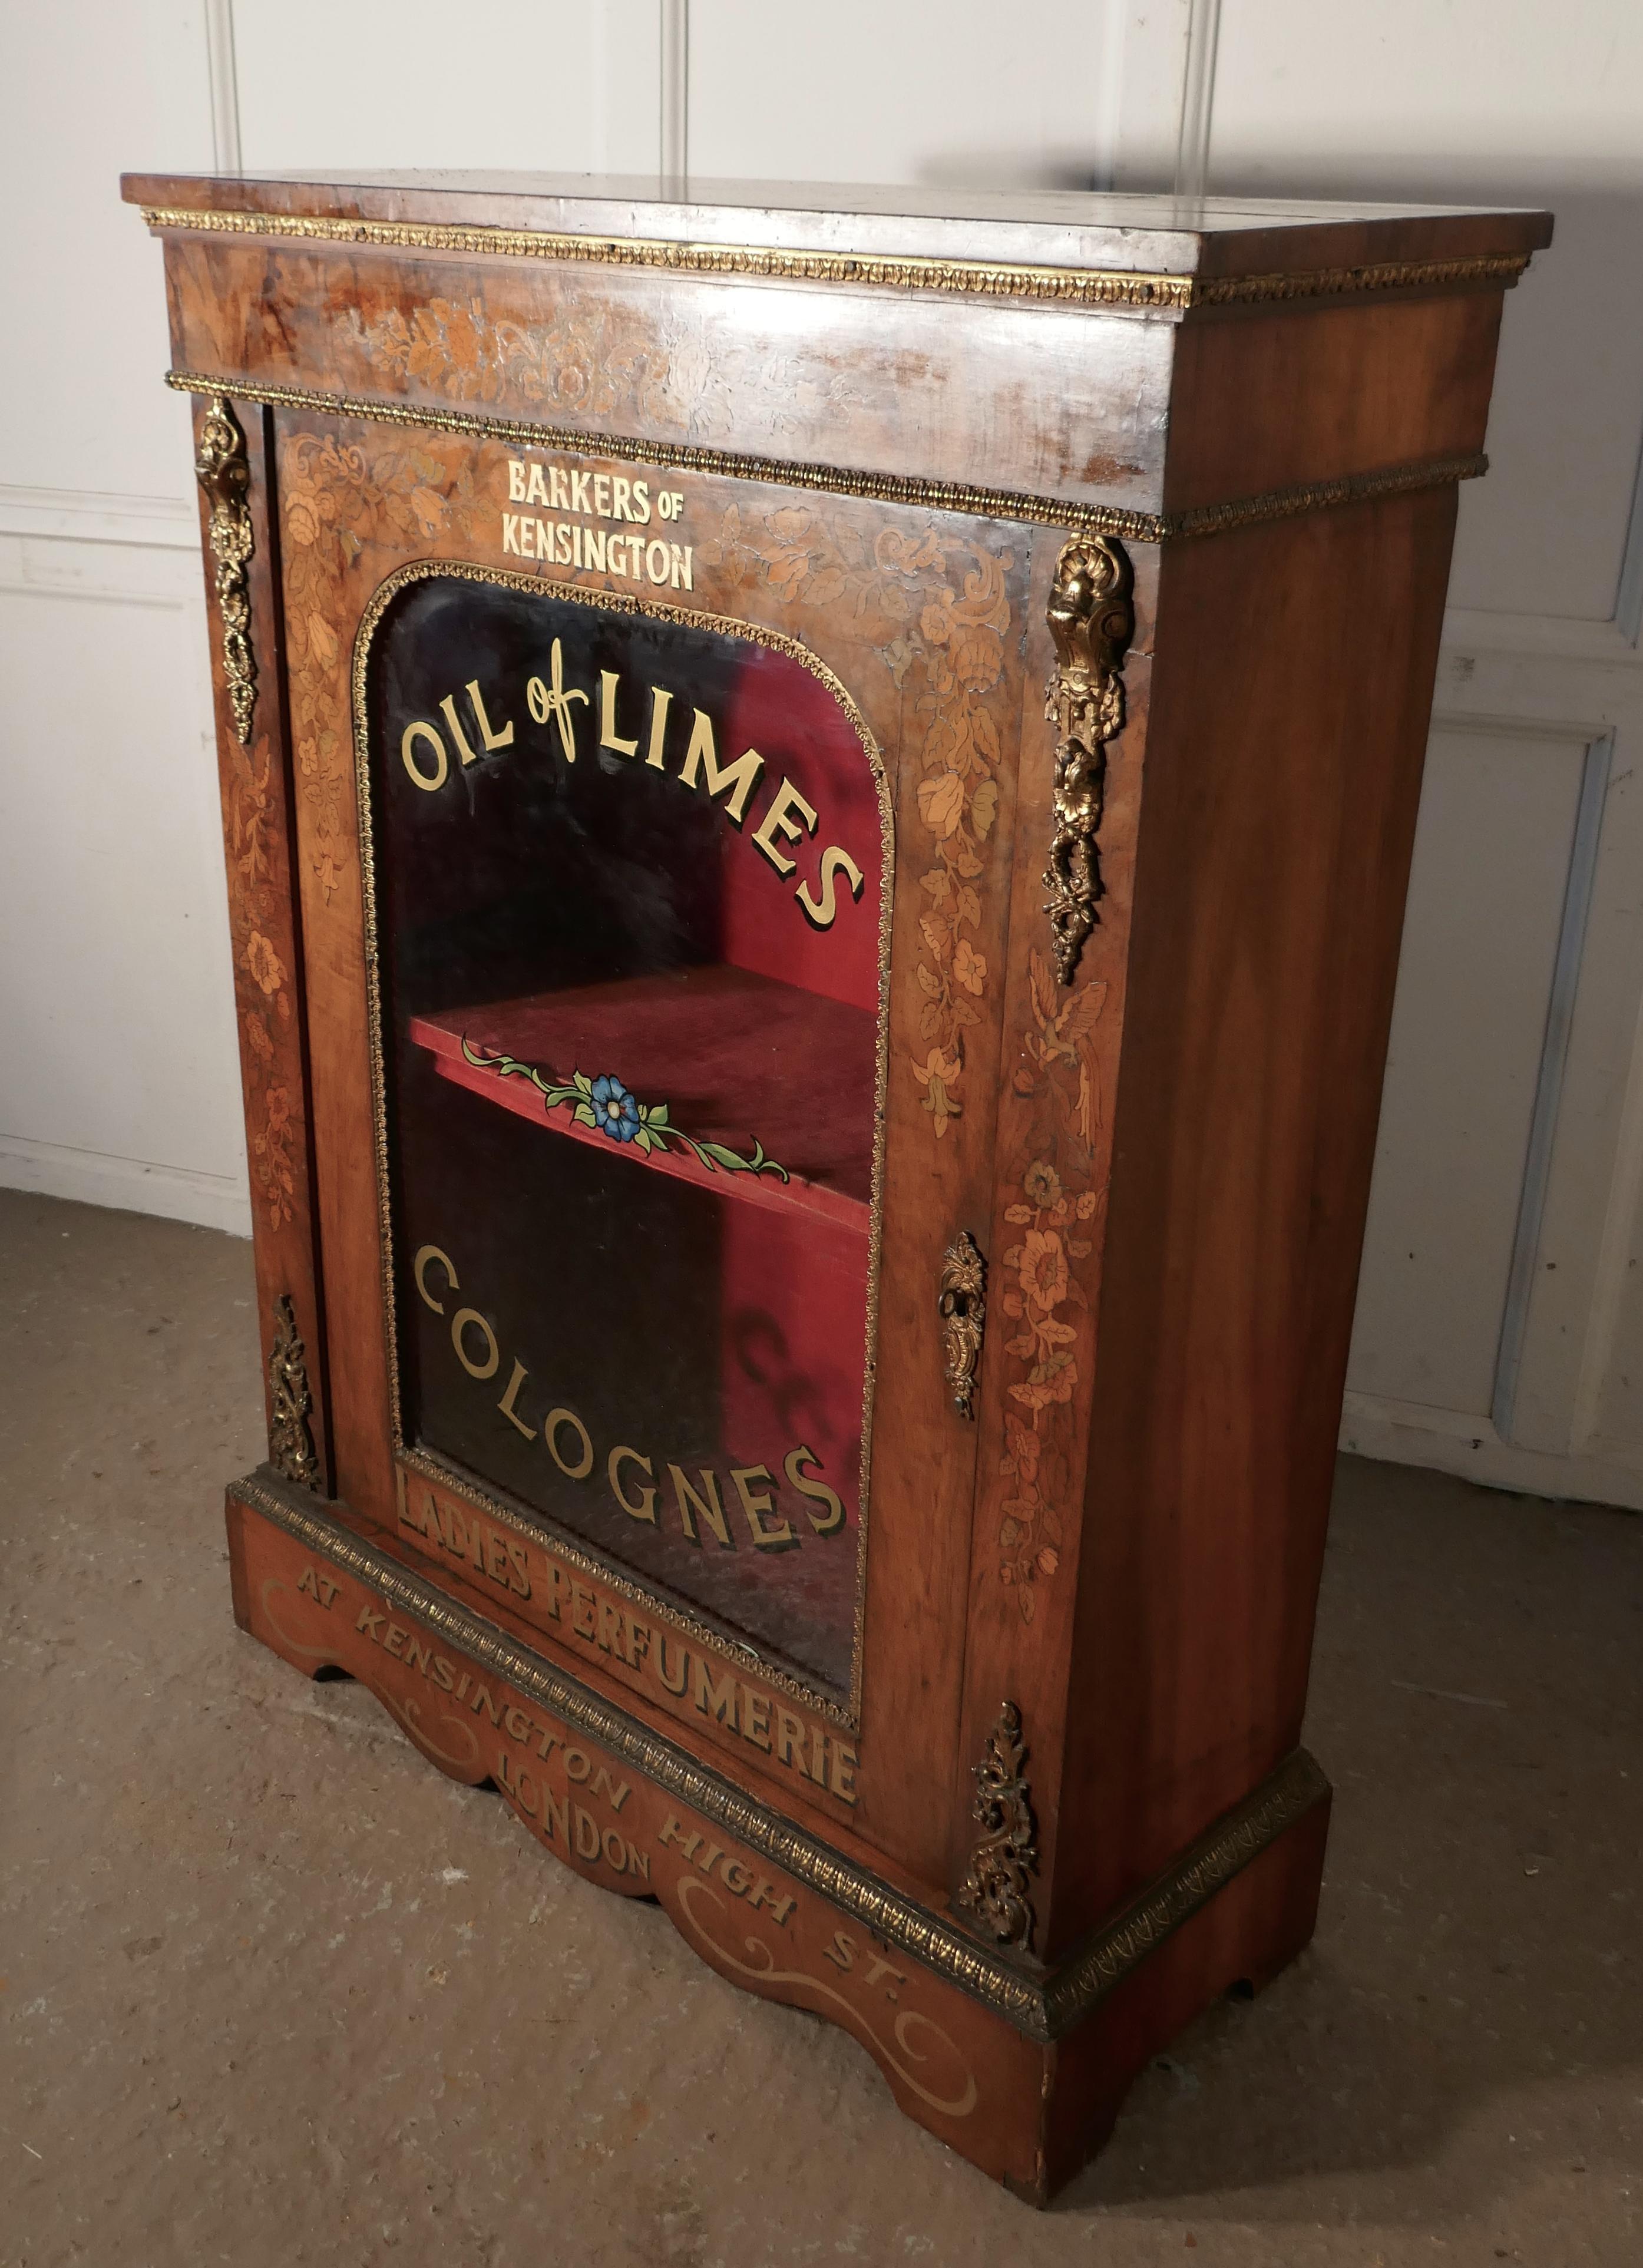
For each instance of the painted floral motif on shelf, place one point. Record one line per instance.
(605, 1106)
(339, 497)
(950, 643)
(1056, 1089)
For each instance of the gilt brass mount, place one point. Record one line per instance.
(223, 473)
(1091, 622)
(290, 1443)
(998, 1888)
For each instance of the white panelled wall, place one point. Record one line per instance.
(1500, 1318)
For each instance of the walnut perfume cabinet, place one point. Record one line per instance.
(817, 799)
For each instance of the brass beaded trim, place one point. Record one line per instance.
(1043, 2011)
(1078, 287)
(889, 487)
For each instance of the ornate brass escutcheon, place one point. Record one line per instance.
(963, 1307)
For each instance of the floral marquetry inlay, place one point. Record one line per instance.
(937, 611)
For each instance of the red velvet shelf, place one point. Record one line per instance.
(738, 1058)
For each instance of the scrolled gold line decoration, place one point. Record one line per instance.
(885, 487)
(1037, 284)
(762, 1975)
(1091, 620)
(224, 474)
(1041, 2009)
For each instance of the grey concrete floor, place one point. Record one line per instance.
(274, 1991)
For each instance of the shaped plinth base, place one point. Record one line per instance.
(1021, 2073)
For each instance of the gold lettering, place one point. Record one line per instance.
(506, 1404)
(679, 566)
(370, 1622)
(581, 1603)
(780, 820)
(735, 1878)
(578, 492)
(489, 739)
(417, 1654)
(656, 560)
(841, 1952)
(419, 1269)
(537, 493)
(614, 1792)
(393, 1643)
(444, 1675)
(459, 1322)
(821, 913)
(552, 700)
(561, 537)
(516, 482)
(817, 1490)
(673, 1684)
(790, 1738)
(609, 1638)
(765, 1894)
(594, 548)
(642, 512)
(561, 497)
(737, 780)
(511, 533)
(755, 1503)
(646, 1508)
(689, 1503)
(551, 1425)
(715, 1700)
(674, 1832)
(609, 736)
(638, 1862)
(661, 700)
(517, 1723)
(619, 493)
(482, 1700)
(601, 495)
(309, 1581)
(615, 1849)
(519, 1568)
(422, 732)
(576, 1765)
(845, 1761)
(755, 1718)
(448, 709)
(556, 1815)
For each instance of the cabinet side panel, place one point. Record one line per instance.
(1290, 707)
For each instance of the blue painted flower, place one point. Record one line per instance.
(616, 1113)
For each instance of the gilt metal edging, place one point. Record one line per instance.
(1043, 2008)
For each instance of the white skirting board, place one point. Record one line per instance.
(1453, 1441)
(127, 1184)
